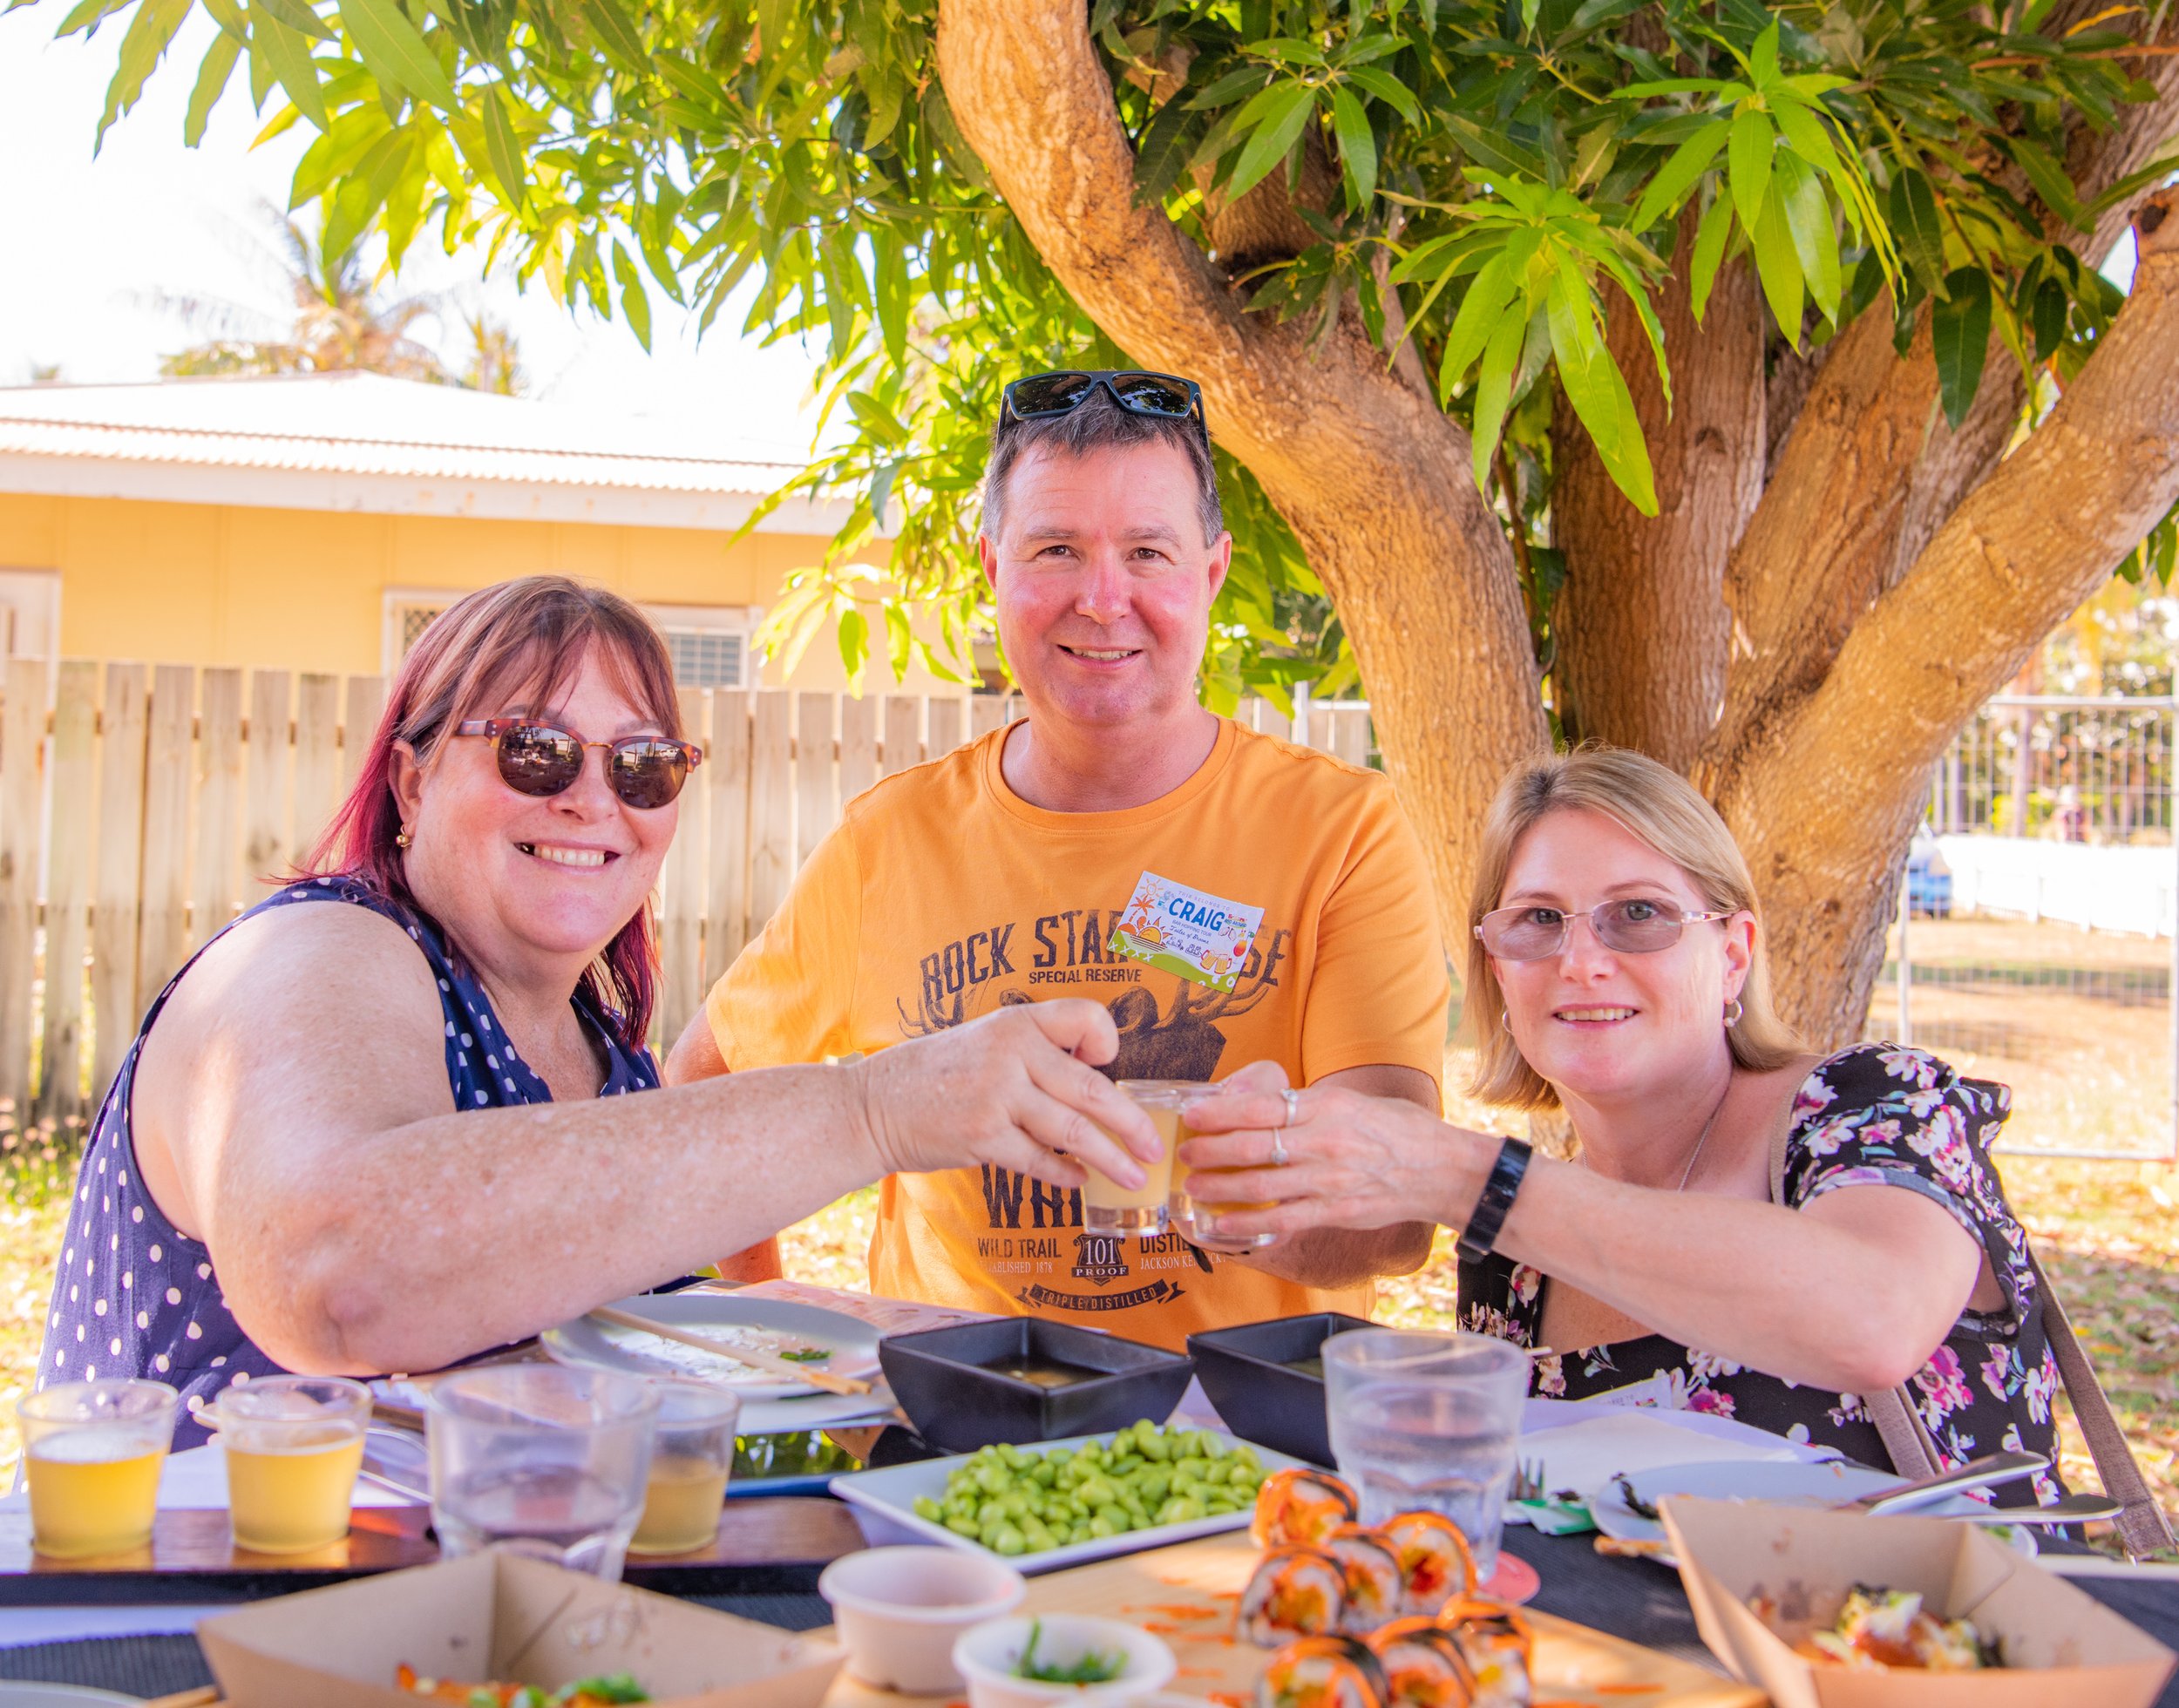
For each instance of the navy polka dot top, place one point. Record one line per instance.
(135, 1298)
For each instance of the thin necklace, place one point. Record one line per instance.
(1687, 1173)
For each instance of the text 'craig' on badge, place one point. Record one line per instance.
(1199, 937)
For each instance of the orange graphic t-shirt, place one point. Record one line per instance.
(942, 894)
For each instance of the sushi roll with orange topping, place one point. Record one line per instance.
(1498, 1645)
(1423, 1666)
(1323, 1672)
(1298, 1508)
(1376, 1592)
(1434, 1559)
(1294, 1592)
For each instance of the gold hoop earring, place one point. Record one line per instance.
(1732, 1013)
(402, 839)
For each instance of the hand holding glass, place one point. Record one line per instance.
(1109, 1208)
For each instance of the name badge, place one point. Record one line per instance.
(1199, 937)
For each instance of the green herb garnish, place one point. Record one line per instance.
(1091, 1668)
(612, 1687)
(808, 1355)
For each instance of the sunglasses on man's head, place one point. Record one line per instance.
(1042, 395)
(539, 758)
(1639, 925)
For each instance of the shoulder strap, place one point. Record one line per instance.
(2141, 1526)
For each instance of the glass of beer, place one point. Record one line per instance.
(294, 1445)
(1191, 1188)
(691, 1458)
(92, 1452)
(1108, 1208)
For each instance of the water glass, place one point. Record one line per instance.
(1109, 1208)
(691, 1458)
(1428, 1422)
(92, 1452)
(540, 1460)
(294, 1445)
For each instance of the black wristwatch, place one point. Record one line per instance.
(1482, 1232)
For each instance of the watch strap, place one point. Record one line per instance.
(1499, 1191)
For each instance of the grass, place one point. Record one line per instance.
(2107, 1232)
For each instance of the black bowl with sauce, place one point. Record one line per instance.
(1268, 1379)
(1020, 1378)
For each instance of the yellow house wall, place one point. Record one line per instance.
(304, 590)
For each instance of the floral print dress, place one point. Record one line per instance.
(1875, 1114)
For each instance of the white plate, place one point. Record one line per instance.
(1773, 1484)
(599, 1345)
(891, 1493)
(13, 1695)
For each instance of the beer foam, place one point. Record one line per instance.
(96, 1447)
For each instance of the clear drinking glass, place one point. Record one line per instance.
(91, 1451)
(691, 1457)
(1199, 1186)
(541, 1461)
(1428, 1422)
(1111, 1209)
(294, 1445)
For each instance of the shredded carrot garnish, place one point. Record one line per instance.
(1226, 1699)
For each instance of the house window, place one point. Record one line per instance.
(408, 612)
(708, 644)
(29, 613)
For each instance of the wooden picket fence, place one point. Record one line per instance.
(142, 807)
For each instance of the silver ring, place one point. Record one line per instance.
(1293, 1105)
(1278, 1149)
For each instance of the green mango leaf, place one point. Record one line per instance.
(1670, 85)
(504, 148)
(1287, 51)
(2050, 181)
(636, 302)
(1678, 175)
(1917, 228)
(1284, 109)
(1778, 265)
(1749, 163)
(212, 78)
(1357, 146)
(854, 639)
(1597, 391)
(1763, 58)
(1388, 89)
(1804, 132)
(288, 52)
(1960, 334)
(1162, 155)
(1494, 387)
(1492, 150)
(142, 48)
(613, 29)
(1709, 253)
(1809, 220)
(2049, 315)
(299, 17)
(1481, 310)
(394, 51)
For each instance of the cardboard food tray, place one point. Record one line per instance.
(1187, 1594)
(496, 1615)
(2059, 1644)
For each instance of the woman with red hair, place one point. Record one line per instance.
(376, 1123)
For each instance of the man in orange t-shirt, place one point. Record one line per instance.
(1006, 872)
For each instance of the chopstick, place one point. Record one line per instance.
(749, 1355)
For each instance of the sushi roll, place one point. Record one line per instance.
(1323, 1672)
(1300, 1508)
(1434, 1559)
(1376, 1592)
(1294, 1592)
(1499, 1647)
(1423, 1666)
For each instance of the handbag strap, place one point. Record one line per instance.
(2141, 1524)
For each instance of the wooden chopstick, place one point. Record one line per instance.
(749, 1355)
(203, 1697)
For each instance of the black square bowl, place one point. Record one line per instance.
(1248, 1373)
(947, 1381)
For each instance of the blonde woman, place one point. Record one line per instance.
(1616, 971)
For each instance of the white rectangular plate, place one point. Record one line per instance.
(892, 1494)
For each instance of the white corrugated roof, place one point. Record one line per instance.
(363, 442)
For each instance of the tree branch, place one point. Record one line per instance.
(1837, 781)
(1372, 478)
